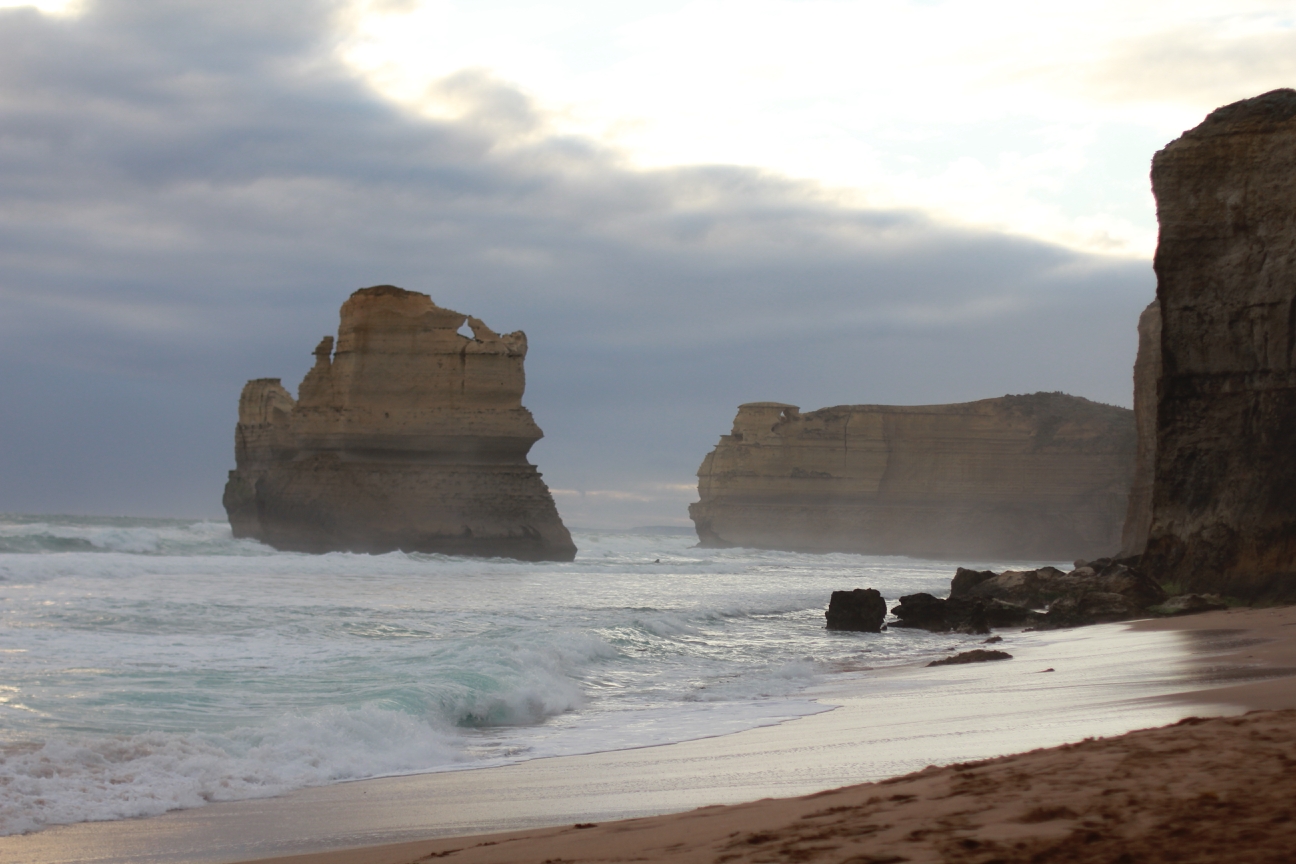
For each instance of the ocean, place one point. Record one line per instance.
(148, 665)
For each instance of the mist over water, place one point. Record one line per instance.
(156, 664)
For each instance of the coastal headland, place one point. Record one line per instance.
(1216, 515)
(1047, 755)
(1223, 512)
(1043, 476)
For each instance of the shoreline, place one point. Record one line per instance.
(1200, 790)
(1261, 643)
(1106, 680)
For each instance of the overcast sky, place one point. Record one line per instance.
(686, 206)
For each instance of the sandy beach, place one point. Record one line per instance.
(1060, 688)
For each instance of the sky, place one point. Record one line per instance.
(685, 205)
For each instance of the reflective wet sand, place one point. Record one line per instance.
(1060, 687)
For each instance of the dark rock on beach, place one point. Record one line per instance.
(1093, 607)
(1098, 591)
(861, 610)
(977, 655)
(1120, 576)
(1104, 590)
(977, 615)
(1189, 604)
(1033, 589)
(966, 580)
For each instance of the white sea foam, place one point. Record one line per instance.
(97, 777)
(157, 664)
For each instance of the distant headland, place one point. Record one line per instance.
(1040, 477)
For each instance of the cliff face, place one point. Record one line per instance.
(1224, 492)
(409, 436)
(1045, 476)
(1147, 371)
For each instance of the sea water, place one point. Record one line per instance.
(149, 665)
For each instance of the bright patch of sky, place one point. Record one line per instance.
(48, 7)
(1035, 118)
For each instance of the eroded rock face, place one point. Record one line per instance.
(409, 436)
(1224, 491)
(1033, 589)
(1190, 604)
(1019, 477)
(1147, 371)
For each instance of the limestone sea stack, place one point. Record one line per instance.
(1034, 477)
(409, 436)
(1224, 491)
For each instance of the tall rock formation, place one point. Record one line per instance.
(1147, 371)
(1224, 491)
(409, 436)
(1042, 477)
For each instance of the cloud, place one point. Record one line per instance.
(189, 190)
(1197, 65)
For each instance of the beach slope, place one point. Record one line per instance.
(1201, 790)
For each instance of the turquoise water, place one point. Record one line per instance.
(150, 665)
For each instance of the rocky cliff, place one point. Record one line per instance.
(1147, 371)
(1044, 476)
(408, 436)
(1224, 491)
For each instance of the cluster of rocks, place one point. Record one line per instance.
(1095, 592)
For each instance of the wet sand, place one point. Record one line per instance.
(1104, 681)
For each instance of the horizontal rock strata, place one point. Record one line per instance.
(409, 436)
(1043, 476)
(1224, 490)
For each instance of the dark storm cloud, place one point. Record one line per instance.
(189, 190)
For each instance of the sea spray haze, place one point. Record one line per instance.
(150, 665)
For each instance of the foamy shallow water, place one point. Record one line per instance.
(150, 665)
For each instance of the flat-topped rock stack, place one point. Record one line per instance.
(1034, 477)
(408, 436)
(1223, 508)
